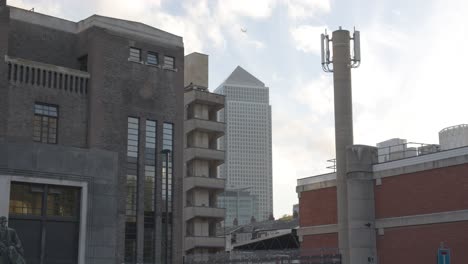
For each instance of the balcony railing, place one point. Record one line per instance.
(216, 100)
(204, 125)
(37, 74)
(191, 212)
(193, 182)
(204, 154)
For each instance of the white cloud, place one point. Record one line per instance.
(300, 9)
(229, 10)
(53, 8)
(307, 38)
(316, 94)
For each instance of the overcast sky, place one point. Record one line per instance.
(411, 83)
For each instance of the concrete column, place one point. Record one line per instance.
(4, 32)
(361, 207)
(5, 182)
(343, 129)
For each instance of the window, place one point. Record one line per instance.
(45, 123)
(149, 192)
(83, 62)
(135, 54)
(131, 181)
(167, 189)
(152, 58)
(40, 209)
(169, 62)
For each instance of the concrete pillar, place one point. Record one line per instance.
(4, 32)
(361, 207)
(343, 129)
(5, 183)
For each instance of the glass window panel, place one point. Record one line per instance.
(134, 125)
(133, 120)
(135, 54)
(169, 62)
(152, 58)
(24, 200)
(132, 142)
(133, 137)
(62, 201)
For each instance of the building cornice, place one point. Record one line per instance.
(125, 27)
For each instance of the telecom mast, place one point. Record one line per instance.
(340, 61)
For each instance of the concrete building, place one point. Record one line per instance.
(406, 209)
(248, 139)
(202, 157)
(86, 109)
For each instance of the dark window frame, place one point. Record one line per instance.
(133, 58)
(44, 210)
(167, 66)
(156, 56)
(47, 117)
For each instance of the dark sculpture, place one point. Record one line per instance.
(11, 250)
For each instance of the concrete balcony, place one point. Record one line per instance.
(202, 97)
(192, 242)
(203, 125)
(204, 212)
(204, 182)
(192, 153)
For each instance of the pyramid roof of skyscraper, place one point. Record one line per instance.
(242, 77)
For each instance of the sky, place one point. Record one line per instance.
(411, 82)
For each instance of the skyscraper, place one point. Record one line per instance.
(247, 114)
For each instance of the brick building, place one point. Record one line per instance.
(86, 110)
(406, 209)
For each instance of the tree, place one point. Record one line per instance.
(286, 217)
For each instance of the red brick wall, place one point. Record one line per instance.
(431, 191)
(318, 207)
(319, 241)
(419, 244)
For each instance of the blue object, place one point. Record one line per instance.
(443, 256)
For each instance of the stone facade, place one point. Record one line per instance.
(94, 103)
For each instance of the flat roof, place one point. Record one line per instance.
(127, 27)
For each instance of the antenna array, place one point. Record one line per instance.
(326, 56)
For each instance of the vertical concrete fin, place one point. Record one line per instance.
(361, 206)
(4, 32)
